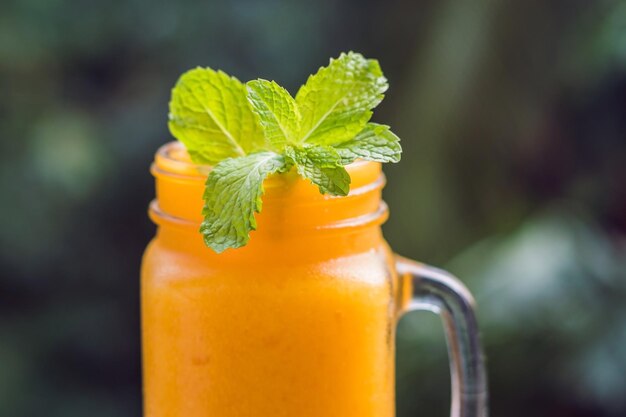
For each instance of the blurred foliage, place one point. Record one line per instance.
(513, 119)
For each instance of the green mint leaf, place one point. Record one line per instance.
(249, 131)
(210, 114)
(337, 101)
(374, 143)
(277, 111)
(232, 197)
(322, 166)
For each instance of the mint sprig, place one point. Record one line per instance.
(250, 131)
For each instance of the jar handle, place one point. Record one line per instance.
(426, 288)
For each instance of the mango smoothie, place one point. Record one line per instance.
(300, 322)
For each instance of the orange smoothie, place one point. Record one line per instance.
(300, 322)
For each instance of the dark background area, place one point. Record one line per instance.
(513, 120)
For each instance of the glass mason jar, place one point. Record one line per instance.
(301, 321)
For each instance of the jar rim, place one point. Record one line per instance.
(172, 159)
(289, 200)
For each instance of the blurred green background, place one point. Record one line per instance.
(513, 120)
